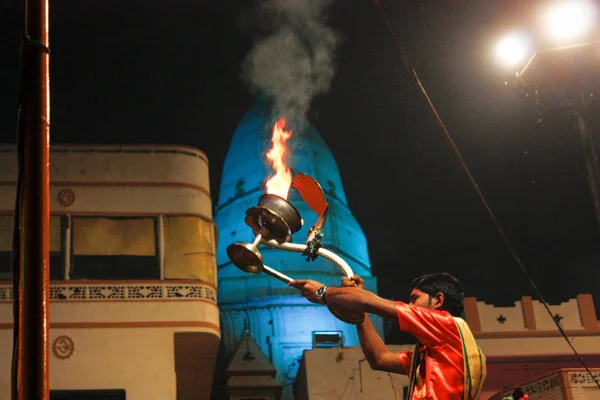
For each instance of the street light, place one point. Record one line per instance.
(568, 21)
(513, 50)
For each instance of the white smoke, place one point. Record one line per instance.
(296, 62)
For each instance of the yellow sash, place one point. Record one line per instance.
(474, 364)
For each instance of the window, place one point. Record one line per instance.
(5, 265)
(114, 248)
(123, 248)
(87, 395)
(58, 226)
(189, 249)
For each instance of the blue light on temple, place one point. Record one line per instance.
(281, 321)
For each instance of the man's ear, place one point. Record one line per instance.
(438, 300)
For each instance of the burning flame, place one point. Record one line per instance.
(279, 184)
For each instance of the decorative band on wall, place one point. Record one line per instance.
(111, 292)
(129, 324)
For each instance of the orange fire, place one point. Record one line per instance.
(279, 184)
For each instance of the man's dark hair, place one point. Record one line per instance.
(454, 297)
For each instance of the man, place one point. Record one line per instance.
(449, 365)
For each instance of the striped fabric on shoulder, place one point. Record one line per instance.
(474, 361)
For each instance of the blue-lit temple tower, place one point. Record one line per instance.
(281, 321)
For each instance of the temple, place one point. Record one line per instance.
(281, 321)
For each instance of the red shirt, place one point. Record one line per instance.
(441, 370)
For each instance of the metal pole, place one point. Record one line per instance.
(34, 130)
(589, 152)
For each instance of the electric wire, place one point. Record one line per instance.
(16, 234)
(473, 182)
(16, 269)
(393, 386)
(16, 250)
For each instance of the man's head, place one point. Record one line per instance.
(440, 291)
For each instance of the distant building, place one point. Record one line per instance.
(522, 345)
(133, 307)
(281, 321)
(523, 342)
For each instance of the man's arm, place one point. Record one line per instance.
(373, 348)
(349, 298)
(376, 352)
(362, 300)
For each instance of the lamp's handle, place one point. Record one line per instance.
(300, 248)
(276, 274)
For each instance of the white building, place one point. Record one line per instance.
(133, 309)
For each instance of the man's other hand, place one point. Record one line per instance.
(355, 281)
(307, 288)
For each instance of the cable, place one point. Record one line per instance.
(16, 252)
(389, 374)
(464, 166)
(16, 267)
(16, 239)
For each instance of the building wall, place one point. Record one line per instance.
(531, 315)
(120, 211)
(120, 179)
(522, 342)
(117, 344)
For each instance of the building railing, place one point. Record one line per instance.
(556, 383)
(68, 291)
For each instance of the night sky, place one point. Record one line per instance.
(170, 73)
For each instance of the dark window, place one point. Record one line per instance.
(88, 394)
(115, 267)
(251, 398)
(5, 265)
(57, 265)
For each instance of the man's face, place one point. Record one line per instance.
(420, 299)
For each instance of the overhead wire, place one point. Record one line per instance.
(473, 182)
(16, 234)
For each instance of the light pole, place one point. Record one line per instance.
(31, 366)
(566, 69)
(561, 71)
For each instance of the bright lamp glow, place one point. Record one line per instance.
(512, 50)
(569, 20)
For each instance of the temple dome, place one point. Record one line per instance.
(246, 170)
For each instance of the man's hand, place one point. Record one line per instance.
(307, 288)
(355, 281)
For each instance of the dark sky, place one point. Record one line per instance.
(169, 72)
